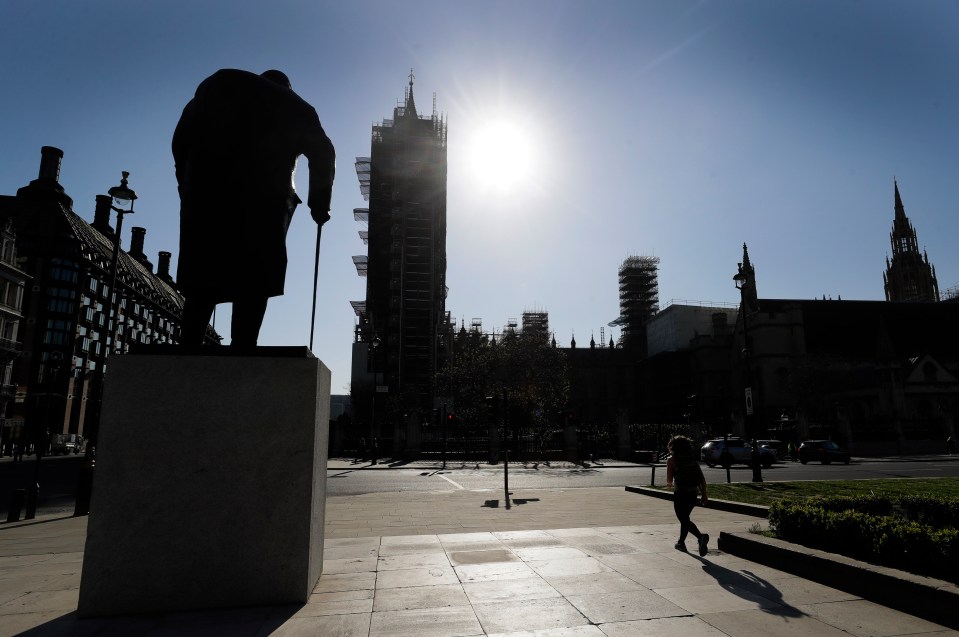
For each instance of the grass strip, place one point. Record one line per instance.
(768, 492)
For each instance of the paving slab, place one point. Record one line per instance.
(484, 556)
(418, 597)
(532, 614)
(412, 560)
(568, 567)
(454, 621)
(782, 621)
(337, 607)
(796, 591)
(509, 590)
(494, 572)
(658, 627)
(407, 577)
(866, 619)
(572, 631)
(714, 598)
(349, 565)
(356, 625)
(593, 583)
(334, 582)
(625, 606)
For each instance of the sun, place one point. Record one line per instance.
(501, 156)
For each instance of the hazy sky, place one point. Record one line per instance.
(667, 128)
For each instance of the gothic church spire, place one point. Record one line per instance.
(909, 276)
(410, 104)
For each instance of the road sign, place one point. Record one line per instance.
(749, 401)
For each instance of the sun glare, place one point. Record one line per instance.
(501, 156)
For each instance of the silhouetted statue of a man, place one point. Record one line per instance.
(235, 149)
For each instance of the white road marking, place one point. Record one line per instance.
(458, 486)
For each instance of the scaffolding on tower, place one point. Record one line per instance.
(638, 299)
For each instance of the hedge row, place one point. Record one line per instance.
(913, 533)
(935, 511)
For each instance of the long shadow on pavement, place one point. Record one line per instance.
(747, 582)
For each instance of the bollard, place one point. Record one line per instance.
(84, 489)
(652, 477)
(33, 494)
(16, 504)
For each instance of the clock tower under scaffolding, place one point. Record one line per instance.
(404, 315)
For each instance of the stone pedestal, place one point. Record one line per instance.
(210, 483)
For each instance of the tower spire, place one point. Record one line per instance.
(900, 209)
(749, 285)
(410, 104)
(909, 275)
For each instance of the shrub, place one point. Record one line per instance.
(907, 533)
(935, 511)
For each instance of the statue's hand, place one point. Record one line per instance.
(320, 216)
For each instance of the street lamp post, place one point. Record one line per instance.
(506, 447)
(122, 197)
(374, 345)
(742, 283)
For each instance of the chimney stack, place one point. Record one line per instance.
(101, 215)
(50, 159)
(136, 242)
(136, 247)
(46, 183)
(163, 267)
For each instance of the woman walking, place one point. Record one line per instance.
(683, 468)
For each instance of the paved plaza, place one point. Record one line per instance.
(585, 562)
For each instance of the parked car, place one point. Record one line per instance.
(776, 446)
(825, 451)
(740, 452)
(62, 444)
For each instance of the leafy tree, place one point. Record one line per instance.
(533, 374)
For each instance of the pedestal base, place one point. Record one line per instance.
(210, 484)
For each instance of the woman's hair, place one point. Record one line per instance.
(680, 446)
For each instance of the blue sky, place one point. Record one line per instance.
(675, 129)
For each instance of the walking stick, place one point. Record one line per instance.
(316, 274)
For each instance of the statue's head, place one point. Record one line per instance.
(277, 77)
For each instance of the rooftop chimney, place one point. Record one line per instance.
(47, 182)
(101, 215)
(136, 247)
(163, 266)
(50, 158)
